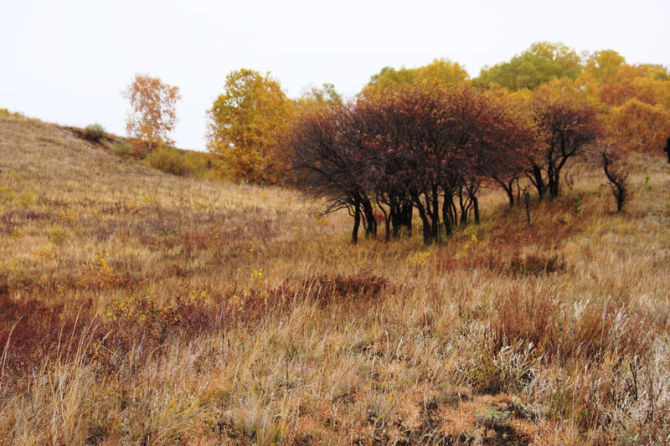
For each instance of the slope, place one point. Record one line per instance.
(147, 308)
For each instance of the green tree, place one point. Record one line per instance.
(541, 62)
(246, 124)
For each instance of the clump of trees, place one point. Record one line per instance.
(424, 141)
(424, 147)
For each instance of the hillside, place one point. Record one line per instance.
(147, 308)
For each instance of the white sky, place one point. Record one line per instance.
(67, 61)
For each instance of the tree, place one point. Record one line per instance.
(422, 147)
(247, 122)
(327, 157)
(603, 65)
(540, 63)
(617, 176)
(438, 72)
(324, 96)
(152, 114)
(640, 127)
(566, 126)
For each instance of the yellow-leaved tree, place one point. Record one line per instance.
(440, 71)
(152, 115)
(640, 126)
(247, 122)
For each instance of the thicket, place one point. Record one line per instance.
(431, 148)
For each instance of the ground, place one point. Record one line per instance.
(140, 307)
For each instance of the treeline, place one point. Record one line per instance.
(428, 139)
(248, 121)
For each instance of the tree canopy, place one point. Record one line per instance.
(246, 124)
(438, 72)
(152, 115)
(541, 62)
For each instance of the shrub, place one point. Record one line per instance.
(93, 132)
(122, 149)
(6, 112)
(170, 160)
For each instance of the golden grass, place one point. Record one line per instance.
(139, 307)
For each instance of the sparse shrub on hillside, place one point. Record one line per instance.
(362, 285)
(536, 264)
(93, 132)
(170, 160)
(122, 149)
(6, 112)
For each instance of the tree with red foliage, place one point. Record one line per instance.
(418, 146)
(567, 126)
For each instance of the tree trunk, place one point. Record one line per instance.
(447, 215)
(554, 178)
(508, 187)
(475, 206)
(371, 227)
(435, 213)
(406, 211)
(537, 180)
(357, 224)
(427, 233)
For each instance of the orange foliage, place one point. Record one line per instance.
(152, 114)
(640, 126)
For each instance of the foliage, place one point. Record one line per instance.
(567, 126)
(540, 63)
(438, 72)
(122, 149)
(640, 126)
(324, 96)
(170, 160)
(294, 337)
(6, 112)
(420, 147)
(247, 122)
(603, 65)
(152, 116)
(93, 132)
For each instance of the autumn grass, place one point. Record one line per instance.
(139, 307)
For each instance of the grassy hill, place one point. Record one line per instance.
(147, 308)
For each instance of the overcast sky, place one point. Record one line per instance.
(67, 61)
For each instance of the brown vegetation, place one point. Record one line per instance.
(145, 308)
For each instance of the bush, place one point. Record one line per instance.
(170, 160)
(6, 112)
(122, 149)
(93, 132)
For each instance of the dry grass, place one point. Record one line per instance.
(139, 307)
